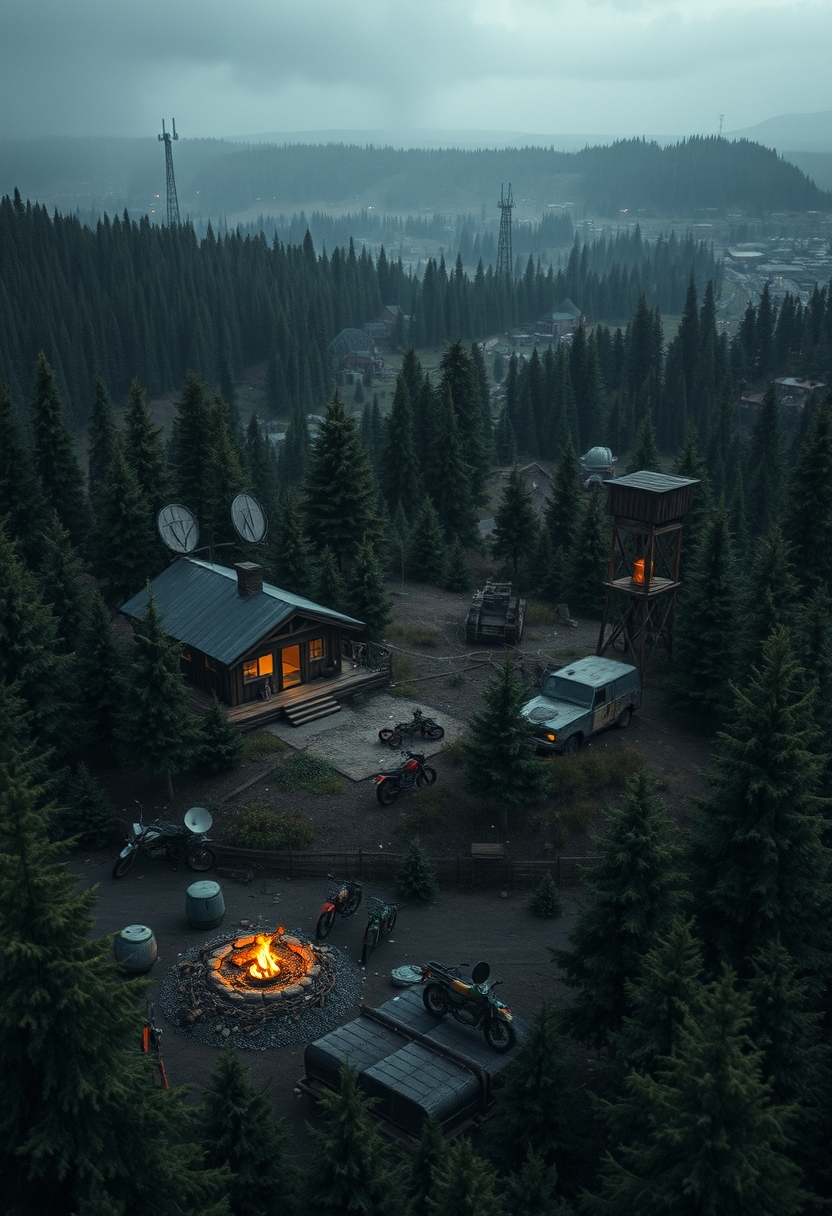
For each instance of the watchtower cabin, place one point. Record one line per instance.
(648, 511)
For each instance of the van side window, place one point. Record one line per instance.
(600, 696)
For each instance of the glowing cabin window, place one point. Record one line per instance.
(317, 650)
(256, 668)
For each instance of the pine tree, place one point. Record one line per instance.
(766, 465)
(398, 472)
(457, 576)
(714, 1142)
(31, 657)
(224, 479)
(760, 867)
(589, 558)
(367, 593)
(76, 1091)
(705, 636)
(769, 597)
(86, 814)
(339, 499)
(261, 460)
(61, 479)
(416, 879)
(499, 765)
(190, 445)
(449, 482)
(645, 454)
(632, 890)
(458, 379)
(565, 508)
(667, 990)
(101, 666)
(515, 522)
(545, 900)
(351, 1171)
(123, 541)
(289, 558)
(240, 1132)
(808, 509)
(22, 504)
(144, 451)
(158, 730)
(329, 585)
(541, 1105)
(220, 746)
(100, 435)
(532, 1189)
(427, 554)
(429, 1157)
(466, 1185)
(63, 586)
(689, 463)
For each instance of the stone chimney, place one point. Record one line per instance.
(249, 579)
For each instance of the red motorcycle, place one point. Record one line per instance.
(413, 774)
(428, 728)
(343, 898)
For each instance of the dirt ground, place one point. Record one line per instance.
(442, 675)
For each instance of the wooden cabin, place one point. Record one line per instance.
(239, 634)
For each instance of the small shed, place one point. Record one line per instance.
(238, 632)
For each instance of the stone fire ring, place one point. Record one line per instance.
(248, 1020)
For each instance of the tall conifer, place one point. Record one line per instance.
(61, 479)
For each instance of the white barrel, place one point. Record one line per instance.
(204, 905)
(135, 949)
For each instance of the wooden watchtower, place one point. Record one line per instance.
(648, 511)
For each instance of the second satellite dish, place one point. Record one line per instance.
(248, 518)
(178, 528)
(197, 819)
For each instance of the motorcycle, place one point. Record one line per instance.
(343, 897)
(169, 840)
(471, 1004)
(413, 774)
(428, 728)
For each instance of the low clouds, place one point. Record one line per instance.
(627, 66)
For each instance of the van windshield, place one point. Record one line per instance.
(560, 689)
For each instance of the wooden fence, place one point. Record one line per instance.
(461, 871)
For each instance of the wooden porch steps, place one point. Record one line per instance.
(311, 708)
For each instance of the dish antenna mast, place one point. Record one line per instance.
(173, 201)
(179, 530)
(504, 258)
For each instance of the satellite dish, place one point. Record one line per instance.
(248, 518)
(178, 528)
(198, 820)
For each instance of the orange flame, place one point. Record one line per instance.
(265, 966)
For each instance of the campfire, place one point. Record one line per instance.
(265, 975)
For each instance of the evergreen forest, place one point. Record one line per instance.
(690, 1070)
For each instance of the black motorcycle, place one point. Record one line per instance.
(413, 774)
(471, 1004)
(173, 840)
(428, 728)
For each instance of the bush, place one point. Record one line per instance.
(264, 743)
(429, 811)
(306, 771)
(454, 751)
(416, 879)
(546, 901)
(87, 813)
(540, 613)
(592, 771)
(220, 746)
(257, 826)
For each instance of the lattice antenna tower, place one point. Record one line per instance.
(505, 264)
(173, 201)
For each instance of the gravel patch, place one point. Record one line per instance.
(303, 1027)
(349, 740)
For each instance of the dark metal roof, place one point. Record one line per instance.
(201, 608)
(656, 483)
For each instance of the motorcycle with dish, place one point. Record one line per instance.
(428, 728)
(412, 774)
(473, 1004)
(172, 840)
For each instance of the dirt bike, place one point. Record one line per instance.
(428, 728)
(471, 1004)
(413, 774)
(188, 840)
(381, 924)
(343, 899)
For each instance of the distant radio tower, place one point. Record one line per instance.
(173, 201)
(505, 264)
(720, 124)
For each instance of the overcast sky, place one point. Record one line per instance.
(629, 67)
